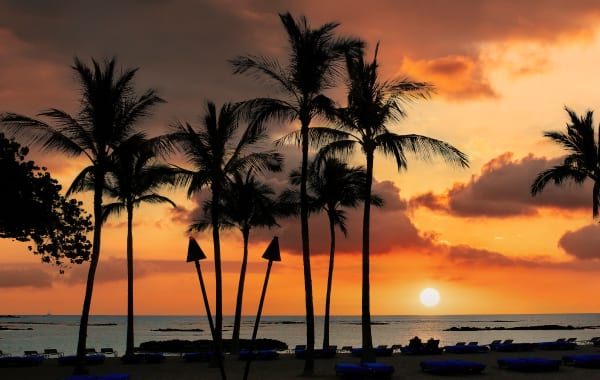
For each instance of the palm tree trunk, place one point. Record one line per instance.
(89, 287)
(129, 340)
(235, 338)
(329, 280)
(218, 273)
(309, 363)
(367, 340)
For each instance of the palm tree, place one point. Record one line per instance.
(313, 64)
(372, 106)
(110, 112)
(216, 156)
(245, 203)
(583, 160)
(133, 178)
(333, 185)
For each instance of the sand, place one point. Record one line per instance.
(288, 367)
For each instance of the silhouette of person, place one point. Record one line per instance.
(415, 342)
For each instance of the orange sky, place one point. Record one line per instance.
(504, 71)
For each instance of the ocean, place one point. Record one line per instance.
(38, 332)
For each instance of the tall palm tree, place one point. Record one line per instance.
(216, 150)
(110, 112)
(332, 186)
(372, 106)
(314, 59)
(133, 178)
(245, 203)
(583, 160)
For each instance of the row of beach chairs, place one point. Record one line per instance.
(467, 367)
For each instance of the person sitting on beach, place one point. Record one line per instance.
(415, 343)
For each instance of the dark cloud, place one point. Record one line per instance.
(182, 46)
(583, 243)
(503, 190)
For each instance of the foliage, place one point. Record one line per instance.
(582, 162)
(34, 210)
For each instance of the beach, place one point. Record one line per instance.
(288, 367)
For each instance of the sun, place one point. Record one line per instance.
(430, 297)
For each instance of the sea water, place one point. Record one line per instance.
(38, 332)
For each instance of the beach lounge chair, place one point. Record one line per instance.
(429, 348)
(198, 356)
(351, 371)
(365, 370)
(529, 364)
(582, 360)
(49, 352)
(320, 353)
(559, 344)
(472, 347)
(451, 367)
(150, 358)
(346, 349)
(21, 361)
(113, 376)
(90, 359)
(379, 351)
(108, 351)
(509, 346)
(31, 353)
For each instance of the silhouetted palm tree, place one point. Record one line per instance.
(133, 178)
(372, 106)
(217, 150)
(245, 203)
(332, 186)
(583, 160)
(110, 112)
(313, 63)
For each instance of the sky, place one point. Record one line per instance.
(504, 71)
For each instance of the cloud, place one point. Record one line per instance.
(391, 228)
(583, 243)
(502, 190)
(183, 46)
(13, 276)
(455, 77)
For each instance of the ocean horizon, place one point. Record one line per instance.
(19, 333)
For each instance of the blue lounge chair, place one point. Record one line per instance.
(471, 348)
(351, 370)
(200, 356)
(151, 357)
(90, 359)
(379, 370)
(451, 367)
(114, 376)
(21, 361)
(361, 371)
(378, 351)
(514, 347)
(529, 364)
(559, 344)
(582, 360)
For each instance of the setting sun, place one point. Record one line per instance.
(429, 297)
